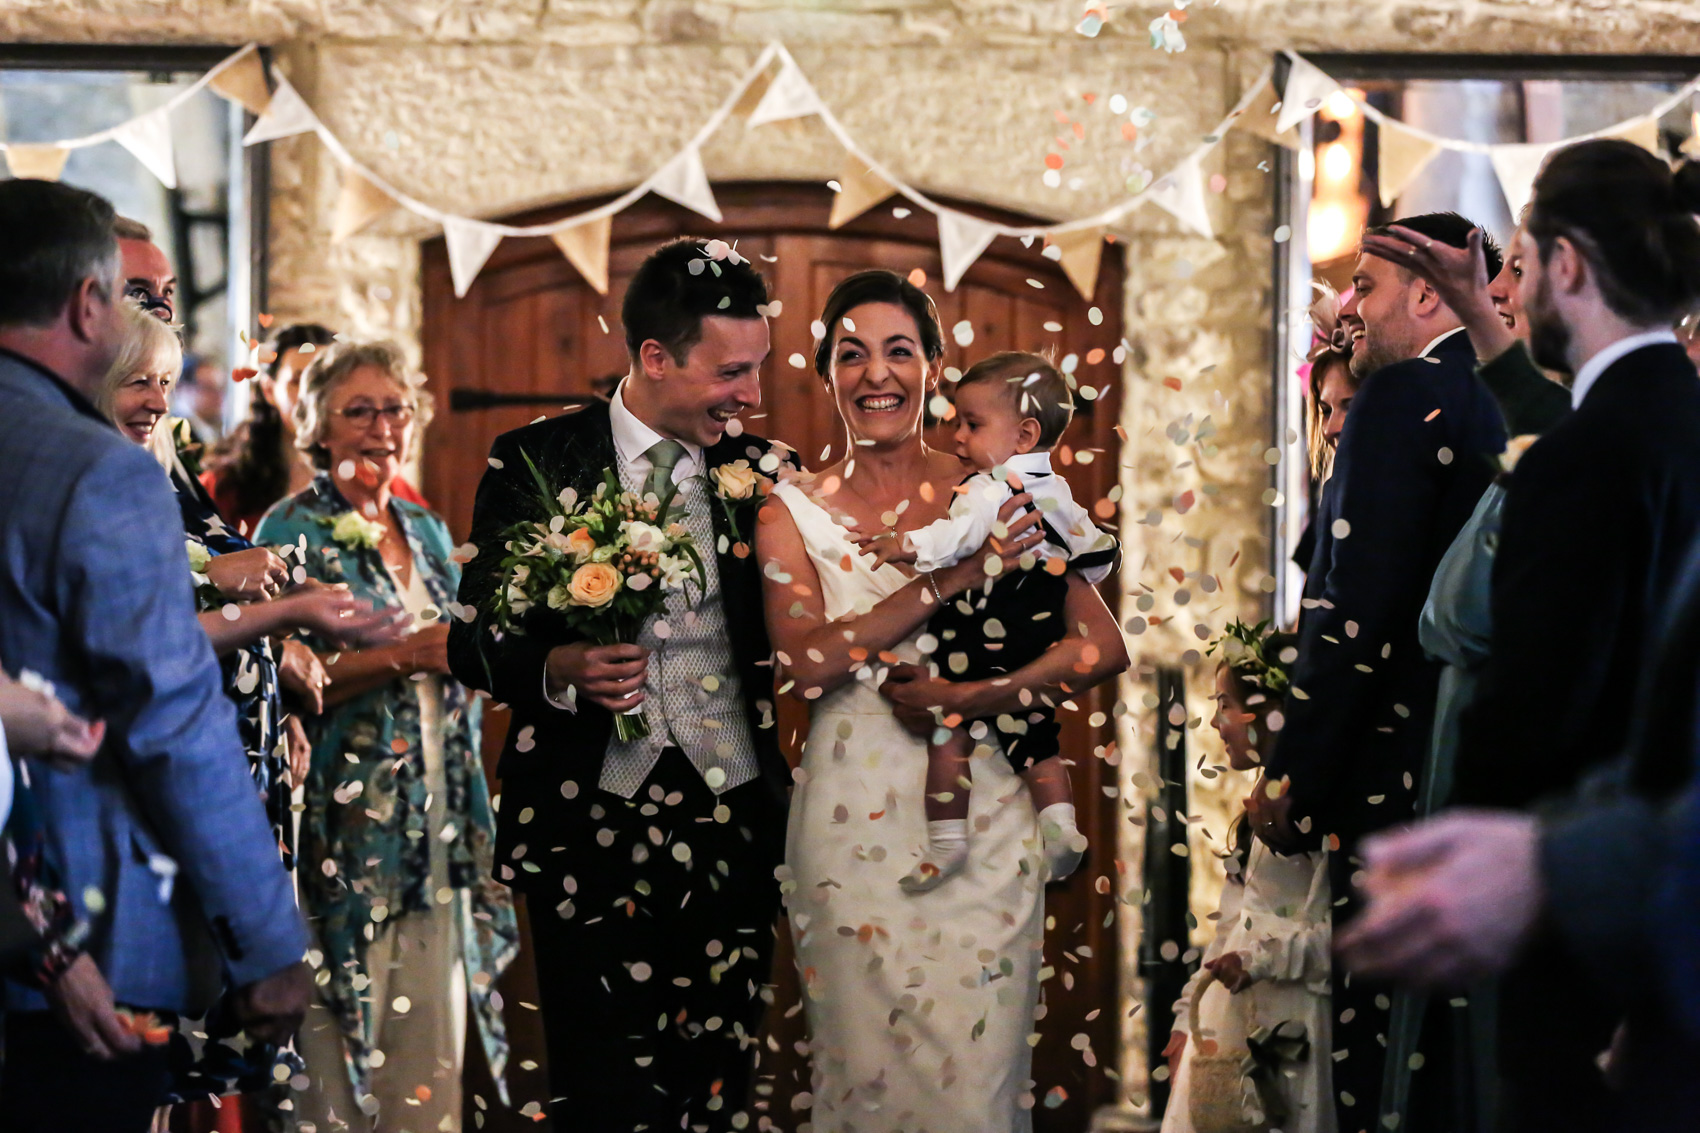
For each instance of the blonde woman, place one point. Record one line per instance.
(397, 835)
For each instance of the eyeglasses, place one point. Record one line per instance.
(365, 416)
(155, 305)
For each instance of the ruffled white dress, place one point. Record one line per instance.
(919, 1005)
(1279, 922)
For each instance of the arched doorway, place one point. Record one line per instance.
(531, 334)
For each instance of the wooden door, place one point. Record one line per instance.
(530, 336)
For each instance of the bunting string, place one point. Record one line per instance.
(1263, 111)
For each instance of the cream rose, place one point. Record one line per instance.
(644, 538)
(594, 584)
(736, 481)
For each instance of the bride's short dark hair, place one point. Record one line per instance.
(879, 286)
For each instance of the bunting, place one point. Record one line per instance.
(1182, 194)
(789, 95)
(961, 240)
(287, 114)
(1404, 155)
(859, 189)
(684, 181)
(36, 163)
(359, 204)
(586, 248)
(1307, 87)
(1517, 167)
(1082, 251)
(148, 138)
(243, 80)
(470, 244)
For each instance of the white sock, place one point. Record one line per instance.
(947, 851)
(1065, 845)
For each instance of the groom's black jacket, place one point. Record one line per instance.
(548, 747)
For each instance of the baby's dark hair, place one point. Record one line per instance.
(1248, 684)
(1033, 386)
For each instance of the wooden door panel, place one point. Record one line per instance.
(531, 328)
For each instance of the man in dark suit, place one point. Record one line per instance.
(161, 846)
(1598, 517)
(1417, 452)
(647, 865)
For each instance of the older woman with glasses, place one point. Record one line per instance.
(396, 845)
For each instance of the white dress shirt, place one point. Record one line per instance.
(1590, 371)
(1437, 340)
(5, 778)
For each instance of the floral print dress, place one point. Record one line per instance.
(367, 842)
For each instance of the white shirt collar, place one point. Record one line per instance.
(1438, 339)
(1029, 464)
(633, 439)
(1592, 369)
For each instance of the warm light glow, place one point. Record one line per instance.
(1341, 106)
(1336, 162)
(1330, 234)
(1307, 165)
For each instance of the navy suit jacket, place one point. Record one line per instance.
(1598, 519)
(1419, 448)
(95, 596)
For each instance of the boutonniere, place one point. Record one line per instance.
(355, 531)
(1514, 450)
(736, 483)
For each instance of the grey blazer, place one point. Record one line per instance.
(162, 841)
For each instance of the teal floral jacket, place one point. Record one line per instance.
(365, 855)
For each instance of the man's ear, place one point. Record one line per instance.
(87, 307)
(1424, 299)
(1027, 435)
(1567, 267)
(653, 359)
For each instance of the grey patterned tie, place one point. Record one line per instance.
(664, 456)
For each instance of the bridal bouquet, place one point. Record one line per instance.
(604, 564)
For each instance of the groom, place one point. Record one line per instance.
(647, 865)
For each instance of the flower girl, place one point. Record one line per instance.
(1250, 1048)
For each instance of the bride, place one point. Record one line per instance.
(919, 1005)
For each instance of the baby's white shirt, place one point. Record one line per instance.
(974, 512)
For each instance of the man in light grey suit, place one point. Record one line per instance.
(160, 843)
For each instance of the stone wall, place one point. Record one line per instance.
(489, 106)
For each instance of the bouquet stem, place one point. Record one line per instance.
(633, 725)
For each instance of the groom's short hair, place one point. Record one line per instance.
(682, 283)
(1447, 227)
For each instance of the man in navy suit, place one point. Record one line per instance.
(160, 843)
(1601, 522)
(1417, 452)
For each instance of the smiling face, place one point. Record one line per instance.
(880, 379)
(989, 427)
(142, 400)
(1235, 722)
(1503, 289)
(1334, 399)
(148, 279)
(719, 378)
(368, 426)
(1378, 316)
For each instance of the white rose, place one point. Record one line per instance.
(644, 538)
(352, 529)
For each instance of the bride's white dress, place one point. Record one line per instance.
(919, 1005)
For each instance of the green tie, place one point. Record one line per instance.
(664, 456)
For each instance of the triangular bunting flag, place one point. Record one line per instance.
(1181, 191)
(1644, 132)
(753, 94)
(1307, 87)
(789, 95)
(961, 240)
(359, 204)
(36, 163)
(244, 81)
(1259, 118)
(470, 244)
(148, 138)
(1403, 156)
(684, 181)
(1081, 251)
(859, 189)
(286, 115)
(1518, 166)
(586, 248)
